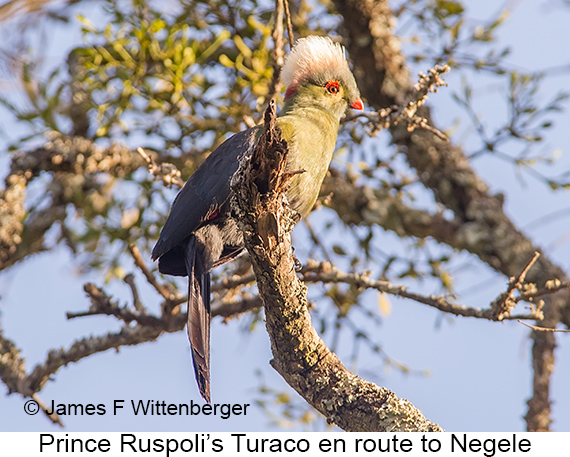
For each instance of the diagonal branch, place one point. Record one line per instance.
(300, 355)
(73, 162)
(443, 167)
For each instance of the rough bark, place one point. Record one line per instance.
(300, 355)
(74, 163)
(485, 229)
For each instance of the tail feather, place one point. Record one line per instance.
(199, 317)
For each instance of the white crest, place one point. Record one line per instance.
(310, 55)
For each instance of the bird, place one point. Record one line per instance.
(200, 233)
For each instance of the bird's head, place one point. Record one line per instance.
(316, 72)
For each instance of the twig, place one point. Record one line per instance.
(503, 304)
(407, 112)
(551, 286)
(278, 54)
(130, 280)
(167, 172)
(52, 417)
(85, 347)
(161, 289)
(544, 329)
(232, 283)
(289, 24)
(231, 309)
(101, 304)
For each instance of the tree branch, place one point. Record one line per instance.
(300, 355)
(329, 274)
(73, 161)
(443, 167)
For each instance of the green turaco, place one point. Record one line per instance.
(200, 233)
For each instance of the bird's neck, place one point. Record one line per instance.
(307, 108)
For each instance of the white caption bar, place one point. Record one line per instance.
(294, 444)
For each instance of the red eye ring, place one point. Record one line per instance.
(333, 87)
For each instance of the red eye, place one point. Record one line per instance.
(332, 87)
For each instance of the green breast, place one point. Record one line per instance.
(311, 137)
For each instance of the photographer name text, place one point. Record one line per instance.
(148, 408)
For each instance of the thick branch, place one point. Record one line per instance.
(85, 347)
(73, 162)
(444, 168)
(367, 206)
(300, 355)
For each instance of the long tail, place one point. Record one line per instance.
(199, 316)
